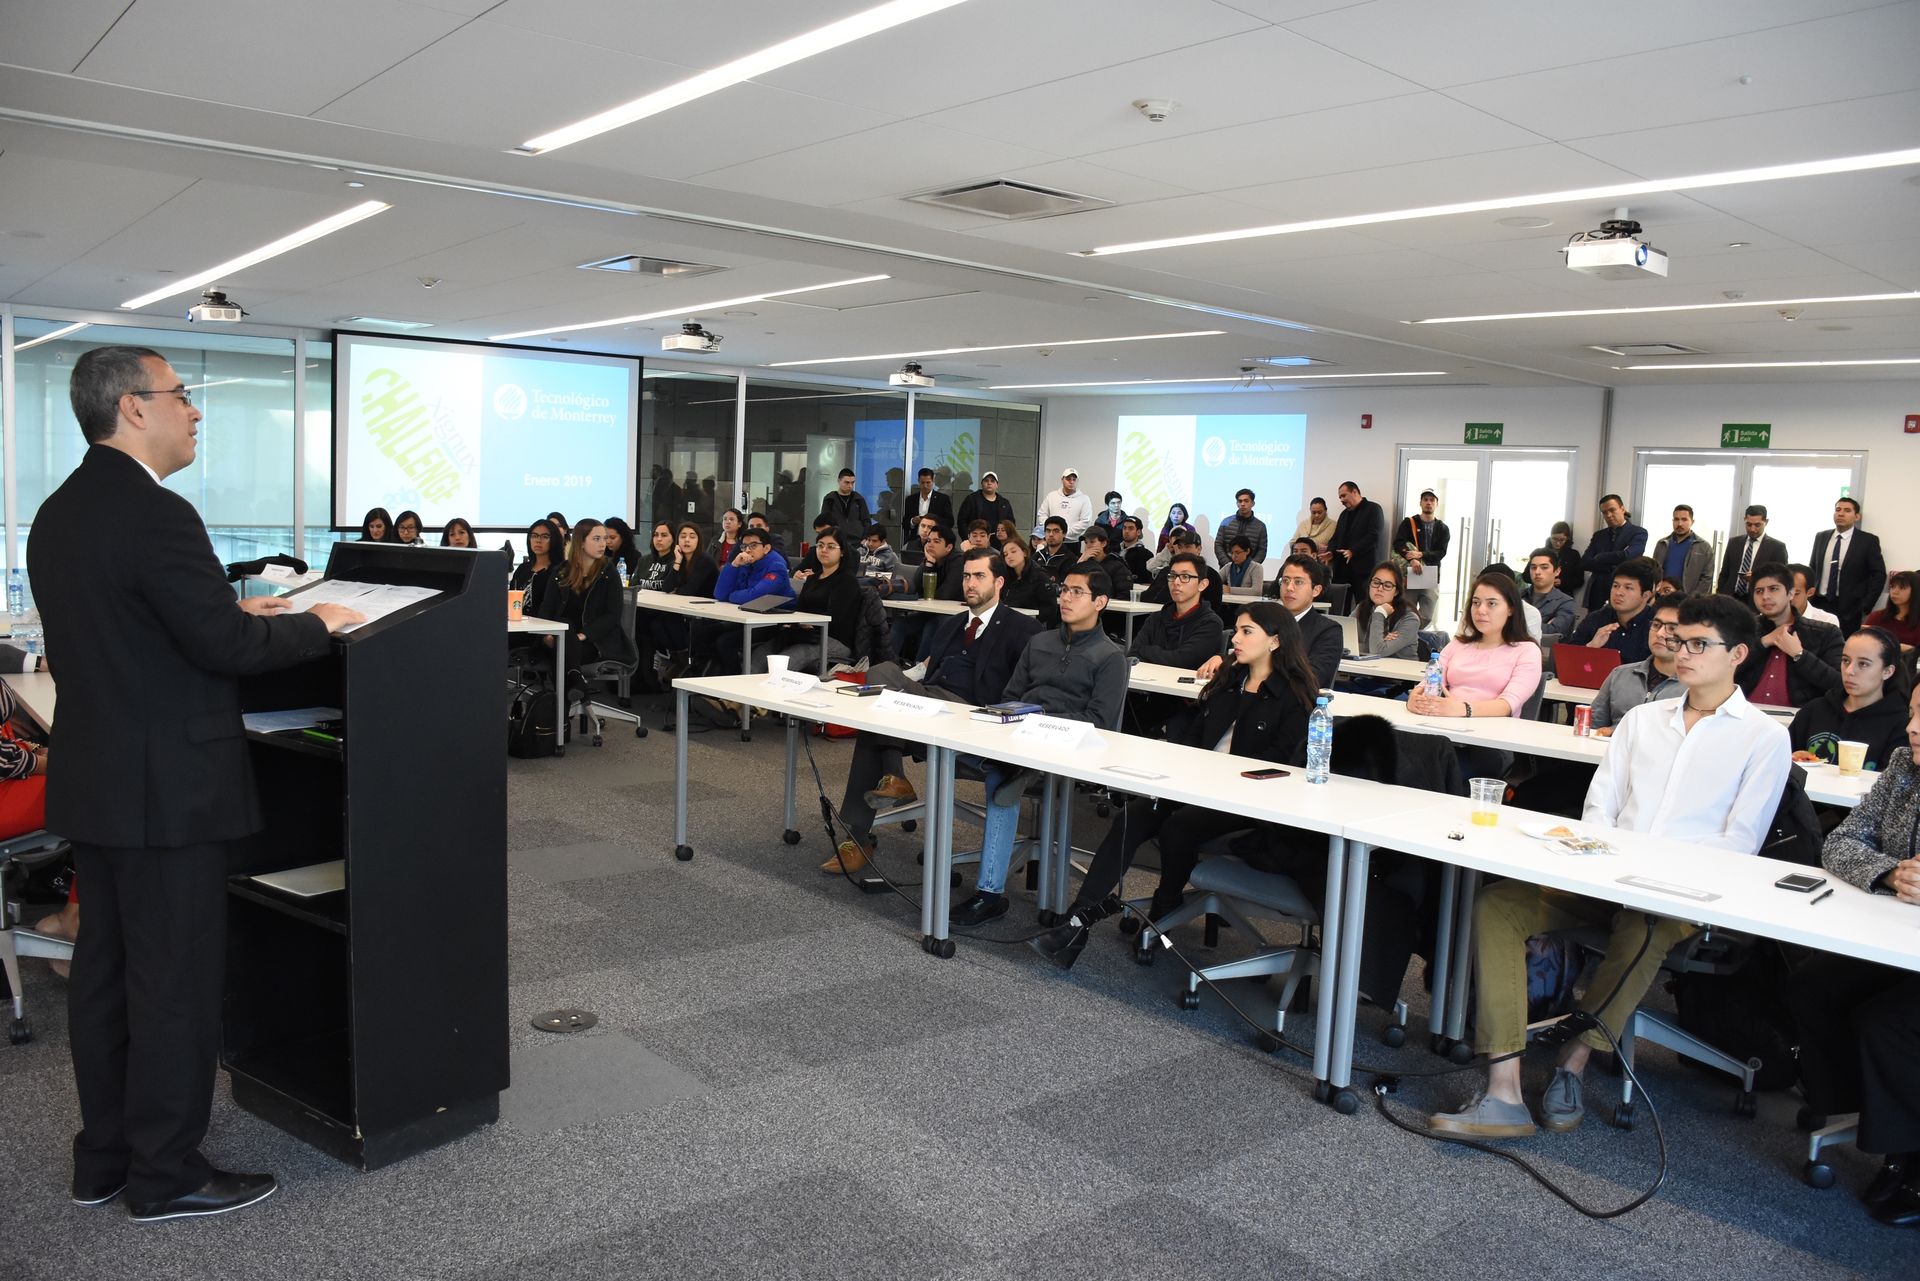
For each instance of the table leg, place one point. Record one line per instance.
(1347, 982)
(791, 833)
(1330, 912)
(937, 852)
(746, 668)
(823, 651)
(1442, 954)
(1462, 955)
(560, 693)
(1063, 849)
(681, 850)
(1129, 627)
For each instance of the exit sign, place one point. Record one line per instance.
(1746, 435)
(1485, 433)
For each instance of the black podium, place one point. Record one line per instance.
(371, 1021)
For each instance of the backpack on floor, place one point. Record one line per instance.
(1744, 1014)
(531, 728)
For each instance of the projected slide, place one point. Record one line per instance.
(1200, 460)
(498, 436)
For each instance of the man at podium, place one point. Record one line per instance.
(154, 782)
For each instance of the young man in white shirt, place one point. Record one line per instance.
(1707, 768)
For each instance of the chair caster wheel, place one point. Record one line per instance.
(597, 741)
(684, 853)
(746, 736)
(1808, 1120)
(1129, 925)
(639, 731)
(1322, 1091)
(1268, 1041)
(1103, 809)
(942, 948)
(1346, 1102)
(1144, 955)
(1189, 1000)
(1048, 918)
(1459, 1052)
(911, 825)
(1393, 1036)
(1817, 1174)
(790, 836)
(20, 1033)
(1623, 1117)
(1746, 1105)
(560, 749)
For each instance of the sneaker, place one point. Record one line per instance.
(851, 858)
(891, 793)
(1560, 1107)
(1485, 1118)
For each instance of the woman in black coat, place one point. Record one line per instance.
(1027, 586)
(585, 594)
(1567, 557)
(1256, 705)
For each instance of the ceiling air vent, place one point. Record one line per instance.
(1010, 201)
(637, 265)
(1647, 349)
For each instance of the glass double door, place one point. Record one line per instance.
(1797, 489)
(1498, 503)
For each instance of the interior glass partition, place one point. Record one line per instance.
(687, 423)
(1797, 487)
(799, 436)
(960, 439)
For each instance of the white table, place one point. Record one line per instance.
(34, 692)
(749, 622)
(550, 627)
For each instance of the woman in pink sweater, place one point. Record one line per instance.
(1492, 667)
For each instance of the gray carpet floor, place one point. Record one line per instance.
(782, 1084)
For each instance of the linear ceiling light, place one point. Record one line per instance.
(772, 58)
(1726, 178)
(1642, 311)
(62, 332)
(325, 227)
(1238, 378)
(693, 310)
(1777, 364)
(1012, 346)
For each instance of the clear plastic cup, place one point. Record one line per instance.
(1488, 793)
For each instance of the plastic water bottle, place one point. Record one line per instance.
(16, 593)
(1319, 742)
(1434, 678)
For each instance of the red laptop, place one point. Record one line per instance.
(1582, 667)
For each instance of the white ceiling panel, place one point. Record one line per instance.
(1455, 44)
(694, 36)
(1861, 54)
(213, 50)
(897, 158)
(1291, 10)
(1367, 135)
(1256, 75)
(1176, 216)
(1886, 122)
(55, 37)
(1878, 205)
(1891, 259)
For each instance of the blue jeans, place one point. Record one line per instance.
(1003, 824)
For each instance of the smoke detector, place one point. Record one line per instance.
(1155, 109)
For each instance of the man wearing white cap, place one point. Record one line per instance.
(1069, 504)
(985, 503)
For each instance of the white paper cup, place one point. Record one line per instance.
(1852, 756)
(776, 663)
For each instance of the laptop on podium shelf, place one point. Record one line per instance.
(1582, 667)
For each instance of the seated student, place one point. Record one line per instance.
(970, 656)
(1387, 623)
(533, 573)
(1256, 705)
(1302, 547)
(979, 536)
(1859, 1023)
(1707, 768)
(759, 521)
(1076, 673)
(1185, 633)
(1621, 624)
(560, 523)
(23, 770)
(457, 533)
(833, 590)
(1093, 553)
(1302, 579)
(1007, 532)
(877, 560)
(1652, 678)
(692, 573)
(756, 570)
(650, 572)
(1544, 594)
(809, 563)
(585, 594)
(1028, 586)
(1241, 575)
(624, 552)
(1797, 660)
(1901, 618)
(1803, 580)
(913, 551)
(1051, 554)
(406, 529)
(1134, 550)
(1667, 586)
(1213, 591)
(1869, 707)
(727, 542)
(1491, 667)
(1175, 522)
(376, 526)
(938, 561)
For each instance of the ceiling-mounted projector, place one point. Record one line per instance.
(1615, 252)
(216, 308)
(909, 376)
(691, 338)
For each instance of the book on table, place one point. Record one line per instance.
(1005, 713)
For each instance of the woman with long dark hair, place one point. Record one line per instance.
(458, 533)
(585, 595)
(624, 551)
(1387, 623)
(406, 529)
(1901, 617)
(1256, 705)
(650, 573)
(732, 523)
(1869, 707)
(691, 573)
(1491, 667)
(534, 573)
(1175, 522)
(376, 526)
(1027, 585)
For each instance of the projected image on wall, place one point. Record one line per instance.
(1202, 459)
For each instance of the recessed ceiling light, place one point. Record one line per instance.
(1690, 306)
(1616, 191)
(384, 323)
(1237, 378)
(355, 183)
(49, 337)
(693, 310)
(1009, 346)
(1739, 244)
(306, 235)
(806, 45)
(1779, 364)
(739, 315)
(1530, 224)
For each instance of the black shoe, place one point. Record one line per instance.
(99, 1193)
(222, 1192)
(1887, 1182)
(978, 910)
(1901, 1210)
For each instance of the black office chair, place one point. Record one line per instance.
(18, 857)
(592, 712)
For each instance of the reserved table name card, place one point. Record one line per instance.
(1668, 887)
(797, 682)
(912, 704)
(1054, 731)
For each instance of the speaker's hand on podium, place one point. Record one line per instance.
(337, 616)
(264, 604)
